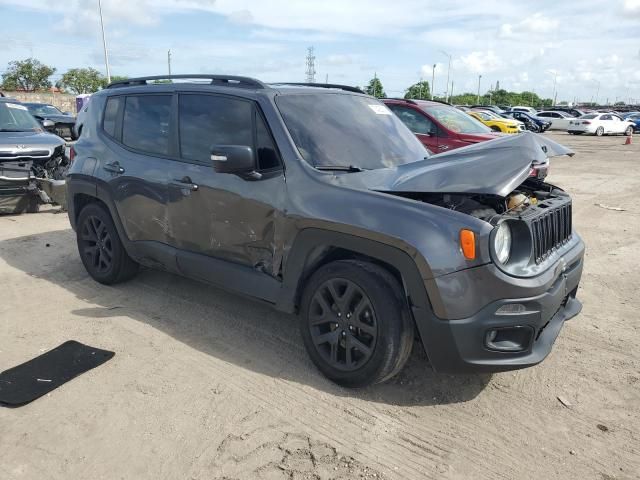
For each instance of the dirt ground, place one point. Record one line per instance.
(207, 385)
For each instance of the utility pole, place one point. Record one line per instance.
(451, 93)
(433, 78)
(555, 78)
(311, 66)
(104, 43)
(326, 78)
(446, 95)
(169, 60)
(478, 99)
(597, 92)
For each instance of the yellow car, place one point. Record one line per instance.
(496, 123)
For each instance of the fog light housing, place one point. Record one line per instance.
(509, 339)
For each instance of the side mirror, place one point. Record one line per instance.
(48, 124)
(236, 159)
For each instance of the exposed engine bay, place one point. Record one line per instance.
(485, 206)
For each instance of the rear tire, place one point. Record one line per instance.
(496, 129)
(599, 131)
(628, 131)
(355, 323)
(100, 247)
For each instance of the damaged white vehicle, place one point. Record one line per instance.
(32, 162)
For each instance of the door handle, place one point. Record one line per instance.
(185, 182)
(114, 168)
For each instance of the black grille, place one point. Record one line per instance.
(551, 230)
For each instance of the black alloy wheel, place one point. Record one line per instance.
(96, 245)
(100, 247)
(343, 324)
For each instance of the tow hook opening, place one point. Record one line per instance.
(516, 338)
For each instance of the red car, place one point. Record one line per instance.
(439, 126)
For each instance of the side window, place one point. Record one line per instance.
(265, 148)
(605, 117)
(145, 125)
(417, 123)
(110, 118)
(207, 120)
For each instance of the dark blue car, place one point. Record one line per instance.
(635, 118)
(533, 123)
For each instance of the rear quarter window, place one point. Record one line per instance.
(146, 122)
(111, 110)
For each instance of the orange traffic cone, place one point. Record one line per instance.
(628, 140)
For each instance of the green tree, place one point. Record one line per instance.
(82, 80)
(418, 91)
(27, 75)
(375, 88)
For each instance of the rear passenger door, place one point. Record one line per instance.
(132, 163)
(221, 215)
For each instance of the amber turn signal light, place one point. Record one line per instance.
(468, 244)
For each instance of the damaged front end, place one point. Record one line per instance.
(30, 177)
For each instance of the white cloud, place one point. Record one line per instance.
(632, 7)
(480, 62)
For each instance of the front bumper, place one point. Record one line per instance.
(461, 345)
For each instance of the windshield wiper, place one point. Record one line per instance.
(340, 168)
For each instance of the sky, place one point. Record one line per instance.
(586, 47)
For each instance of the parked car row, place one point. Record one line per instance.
(565, 119)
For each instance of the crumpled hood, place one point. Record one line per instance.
(9, 140)
(58, 118)
(495, 167)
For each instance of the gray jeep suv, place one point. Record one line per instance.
(318, 200)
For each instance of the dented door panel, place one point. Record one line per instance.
(225, 216)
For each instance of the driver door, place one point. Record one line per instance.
(222, 216)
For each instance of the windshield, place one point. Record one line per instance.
(348, 130)
(16, 118)
(455, 120)
(43, 110)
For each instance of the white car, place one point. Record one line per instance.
(559, 120)
(600, 124)
(529, 110)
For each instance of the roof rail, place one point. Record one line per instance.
(408, 100)
(321, 85)
(220, 80)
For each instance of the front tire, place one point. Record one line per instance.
(100, 247)
(496, 129)
(355, 323)
(628, 131)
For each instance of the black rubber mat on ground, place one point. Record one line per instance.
(24, 383)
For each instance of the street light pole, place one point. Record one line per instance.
(433, 78)
(597, 92)
(104, 43)
(446, 95)
(478, 99)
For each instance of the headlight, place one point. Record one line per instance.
(502, 242)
